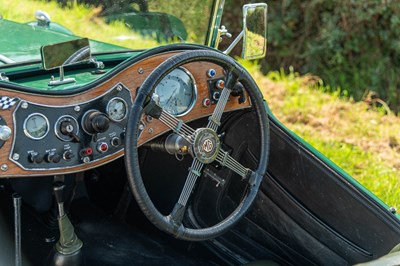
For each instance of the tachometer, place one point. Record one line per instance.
(36, 126)
(177, 92)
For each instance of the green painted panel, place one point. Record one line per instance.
(30, 38)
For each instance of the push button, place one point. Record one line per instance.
(102, 147)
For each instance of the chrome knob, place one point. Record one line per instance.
(5, 133)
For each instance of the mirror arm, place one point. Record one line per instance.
(62, 80)
(97, 64)
(234, 43)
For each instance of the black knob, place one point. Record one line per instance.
(35, 157)
(59, 191)
(95, 122)
(115, 141)
(52, 157)
(68, 155)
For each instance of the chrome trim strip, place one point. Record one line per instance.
(215, 23)
(194, 99)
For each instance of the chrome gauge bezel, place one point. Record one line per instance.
(194, 91)
(57, 131)
(108, 106)
(26, 132)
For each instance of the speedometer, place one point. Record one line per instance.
(177, 92)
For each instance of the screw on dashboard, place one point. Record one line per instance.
(4, 167)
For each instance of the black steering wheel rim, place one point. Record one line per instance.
(165, 223)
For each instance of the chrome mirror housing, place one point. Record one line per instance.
(43, 19)
(64, 54)
(254, 31)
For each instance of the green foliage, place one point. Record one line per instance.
(350, 44)
(194, 14)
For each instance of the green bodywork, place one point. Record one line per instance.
(34, 37)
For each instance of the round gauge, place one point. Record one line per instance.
(177, 92)
(36, 126)
(117, 109)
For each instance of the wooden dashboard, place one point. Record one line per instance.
(61, 156)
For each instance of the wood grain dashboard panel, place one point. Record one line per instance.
(132, 77)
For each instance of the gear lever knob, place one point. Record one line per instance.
(59, 191)
(59, 195)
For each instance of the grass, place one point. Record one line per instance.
(363, 141)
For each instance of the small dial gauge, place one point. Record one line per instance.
(177, 92)
(36, 126)
(117, 109)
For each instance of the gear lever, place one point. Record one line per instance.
(67, 250)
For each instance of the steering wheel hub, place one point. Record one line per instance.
(206, 145)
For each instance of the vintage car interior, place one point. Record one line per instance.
(168, 155)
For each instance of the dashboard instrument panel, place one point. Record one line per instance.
(59, 134)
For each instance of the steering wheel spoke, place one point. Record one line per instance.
(215, 119)
(178, 126)
(180, 207)
(225, 159)
(194, 173)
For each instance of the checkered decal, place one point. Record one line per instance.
(7, 102)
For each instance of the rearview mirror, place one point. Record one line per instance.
(65, 53)
(254, 31)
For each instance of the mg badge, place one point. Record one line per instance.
(208, 145)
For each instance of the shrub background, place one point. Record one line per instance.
(353, 45)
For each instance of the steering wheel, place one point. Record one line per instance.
(205, 144)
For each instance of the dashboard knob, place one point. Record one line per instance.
(35, 157)
(5, 133)
(115, 141)
(52, 157)
(95, 122)
(68, 155)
